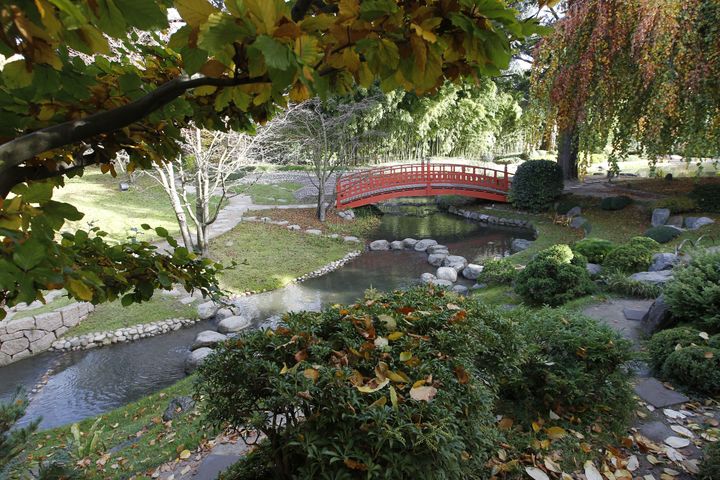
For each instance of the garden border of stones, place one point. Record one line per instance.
(298, 228)
(494, 220)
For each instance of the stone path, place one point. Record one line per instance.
(668, 426)
(601, 188)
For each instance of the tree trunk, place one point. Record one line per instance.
(568, 153)
(321, 208)
(169, 184)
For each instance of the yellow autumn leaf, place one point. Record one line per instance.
(395, 336)
(393, 397)
(405, 356)
(556, 432)
(397, 377)
(79, 289)
(373, 386)
(195, 12)
(185, 454)
(380, 402)
(46, 113)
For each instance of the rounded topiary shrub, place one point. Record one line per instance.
(498, 272)
(536, 185)
(409, 371)
(631, 257)
(615, 203)
(710, 466)
(561, 253)
(662, 234)
(694, 367)
(594, 249)
(707, 197)
(694, 293)
(550, 280)
(663, 343)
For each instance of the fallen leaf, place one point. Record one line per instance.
(505, 423)
(674, 455)
(185, 454)
(355, 465)
(633, 463)
(704, 335)
(682, 431)
(552, 466)
(591, 472)
(311, 374)
(395, 335)
(556, 432)
(373, 386)
(423, 394)
(536, 474)
(677, 442)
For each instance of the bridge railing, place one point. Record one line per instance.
(420, 176)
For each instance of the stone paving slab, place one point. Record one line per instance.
(213, 465)
(634, 314)
(656, 394)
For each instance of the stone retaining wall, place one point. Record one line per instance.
(122, 335)
(23, 337)
(492, 219)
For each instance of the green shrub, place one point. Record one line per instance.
(695, 367)
(594, 249)
(710, 466)
(548, 281)
(694, 293)
(408, 371)
(573, 364)
(536, 185)
(631, 257)
(662, 234)
(615, 203)
(620, 284)
(707, 197)
(498, 272)
(560, 253)
(579, 259)
(663, 343)
(677, 204)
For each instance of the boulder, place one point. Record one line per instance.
(693, 223)
(472, 271)
(652, 277)
(478, 286)
(224, 313)
(578, 222)
(660, 216)
(520, 244)
(456, 262)
(351, 238)
(663, 261)
(427, 277)
(437, 249)
(593, 269)
(460, 289)
(177, 407)
(379, 245)
(397, 245)
(207, 338)
(676, 221)
(423, 245)
(207, 310)
(197, 358)
(442, 283)
(436, 259)
(313, 231)
(294, 227)
(233, 324)
(657, 318)
(26, 323)
(447, 273)
(410, 243)
(574, 212)
(13, 347)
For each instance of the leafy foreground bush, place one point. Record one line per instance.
(498, 272)
(694, 293)
(403, 385)
(663, 343)
(615, 203)
(631, 257)
(536, 185)
(662, 234)
(710, 466)
(707, 197)
(552, 279)
(594, 249)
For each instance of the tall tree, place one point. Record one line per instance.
(645, 71)
(69, 100)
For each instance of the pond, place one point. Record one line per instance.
(87, 383)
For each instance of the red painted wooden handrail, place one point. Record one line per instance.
(421, 179)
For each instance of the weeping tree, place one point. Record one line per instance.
(632, 73)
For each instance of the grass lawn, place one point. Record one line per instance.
(48, 307)
(270, 257)
(140, 439)
(306, 218)
(111, 316)
(276, 194)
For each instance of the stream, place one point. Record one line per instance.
(91, 382)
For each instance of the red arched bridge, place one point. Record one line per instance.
(421, 180)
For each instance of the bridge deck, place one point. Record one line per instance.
(421, 179)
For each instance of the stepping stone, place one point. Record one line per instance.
(656, 394)
(634, 314)
(213, 465)
(656, 431)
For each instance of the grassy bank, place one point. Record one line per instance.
(365, 222)
(136, 435)
(275, 194)
(270, 257)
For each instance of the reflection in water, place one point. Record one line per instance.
(91, 382)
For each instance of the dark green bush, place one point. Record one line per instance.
(615, 203)
(710, 466)
(662, 234)
(695, 367)
(663, 343)
(408, 371)
(574, 364)
(536, 185)
(498, 272)
(551, 280)
(707, 197)
(594, 249)
(631, 257)
(677, 204)
(694, 293)
(560, 253)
